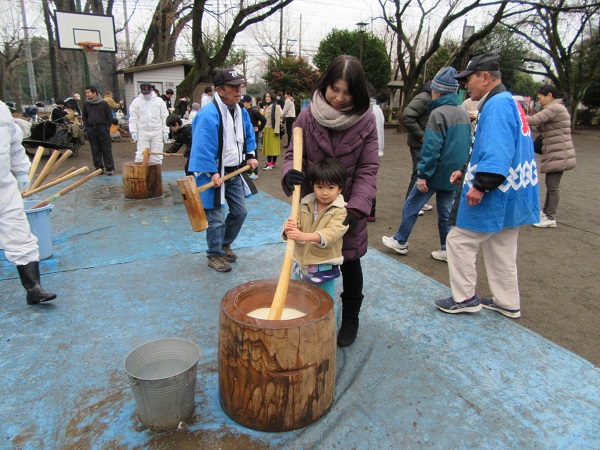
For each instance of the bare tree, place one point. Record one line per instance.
(10, 50)
(566, 43)
(243, 15)
(169, 19)
(411, 49)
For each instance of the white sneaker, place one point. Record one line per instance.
(546, 223)
(426, 207)
(421, 213)
(440, 255)
(392, 243)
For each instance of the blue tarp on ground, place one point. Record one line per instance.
(128, 272)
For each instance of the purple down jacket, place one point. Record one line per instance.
(356, 148)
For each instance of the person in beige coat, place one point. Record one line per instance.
(558, 153)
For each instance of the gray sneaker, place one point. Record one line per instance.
(219, 263)
(392, 243)
(488, 303)
(448, 305)
(229, 255)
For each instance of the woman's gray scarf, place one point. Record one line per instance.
(330, 117)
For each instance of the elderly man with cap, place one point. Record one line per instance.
(446, 144)
(499, 194)
(148, 123)
(222, 139)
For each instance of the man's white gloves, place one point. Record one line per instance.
(22, 180)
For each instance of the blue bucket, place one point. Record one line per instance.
(39, 223)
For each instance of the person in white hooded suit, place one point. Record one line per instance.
(19, 245)
(147, 123)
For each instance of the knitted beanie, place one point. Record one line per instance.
(444, 82)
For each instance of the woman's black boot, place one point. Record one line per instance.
(30, 278)
(350, 311)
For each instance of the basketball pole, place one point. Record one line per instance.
(86, 70)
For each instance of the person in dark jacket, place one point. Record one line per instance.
(181, 135)
(414, 119)
(58, 112)
(167, 99)
(339, 124)
(445, 149)
(97, 118)
(258, 122)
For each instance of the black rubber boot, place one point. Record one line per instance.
(350, 311)
(30, 278)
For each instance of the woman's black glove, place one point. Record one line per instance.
(351, 220)
(294, 177)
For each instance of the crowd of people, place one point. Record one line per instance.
(477, 157)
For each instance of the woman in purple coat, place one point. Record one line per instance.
(339, 124)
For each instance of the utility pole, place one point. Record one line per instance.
(300, 39)
(127, 41)
(30, 73)
(280, 30)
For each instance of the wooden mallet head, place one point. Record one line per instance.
(190, 194)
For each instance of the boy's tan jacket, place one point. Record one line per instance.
(329, 224)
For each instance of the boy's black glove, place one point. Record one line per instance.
(293, 178)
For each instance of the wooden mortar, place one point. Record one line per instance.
(276, 375)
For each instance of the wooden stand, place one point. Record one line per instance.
(276, 375)
(142, 181)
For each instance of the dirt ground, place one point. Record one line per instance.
(558, 268)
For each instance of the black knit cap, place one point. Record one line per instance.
(489, 62)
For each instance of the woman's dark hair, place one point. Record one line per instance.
(349, 69)
(550, 89)
(273, 98)
(327, 170)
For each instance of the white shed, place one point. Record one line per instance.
(162, 76)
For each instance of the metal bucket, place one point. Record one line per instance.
(39, 223)
(162, 375)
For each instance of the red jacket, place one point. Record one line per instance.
(356, 148)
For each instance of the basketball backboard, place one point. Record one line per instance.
(72, 28)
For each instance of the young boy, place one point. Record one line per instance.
(115, 129)
(318, 236)
(181, 135)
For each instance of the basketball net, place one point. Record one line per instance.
(91, 50)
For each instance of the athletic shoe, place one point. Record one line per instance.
(110, 172)
(219, 263)
(273, 165)
(421, 212)
(488, 303)
(448, 305)
(229, 255)
(440, 255)
(268, 166)
(546, 223)
(426, 207)
(371, 219)
(392, 243)
(253, 176)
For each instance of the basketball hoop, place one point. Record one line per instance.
(91, 51)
